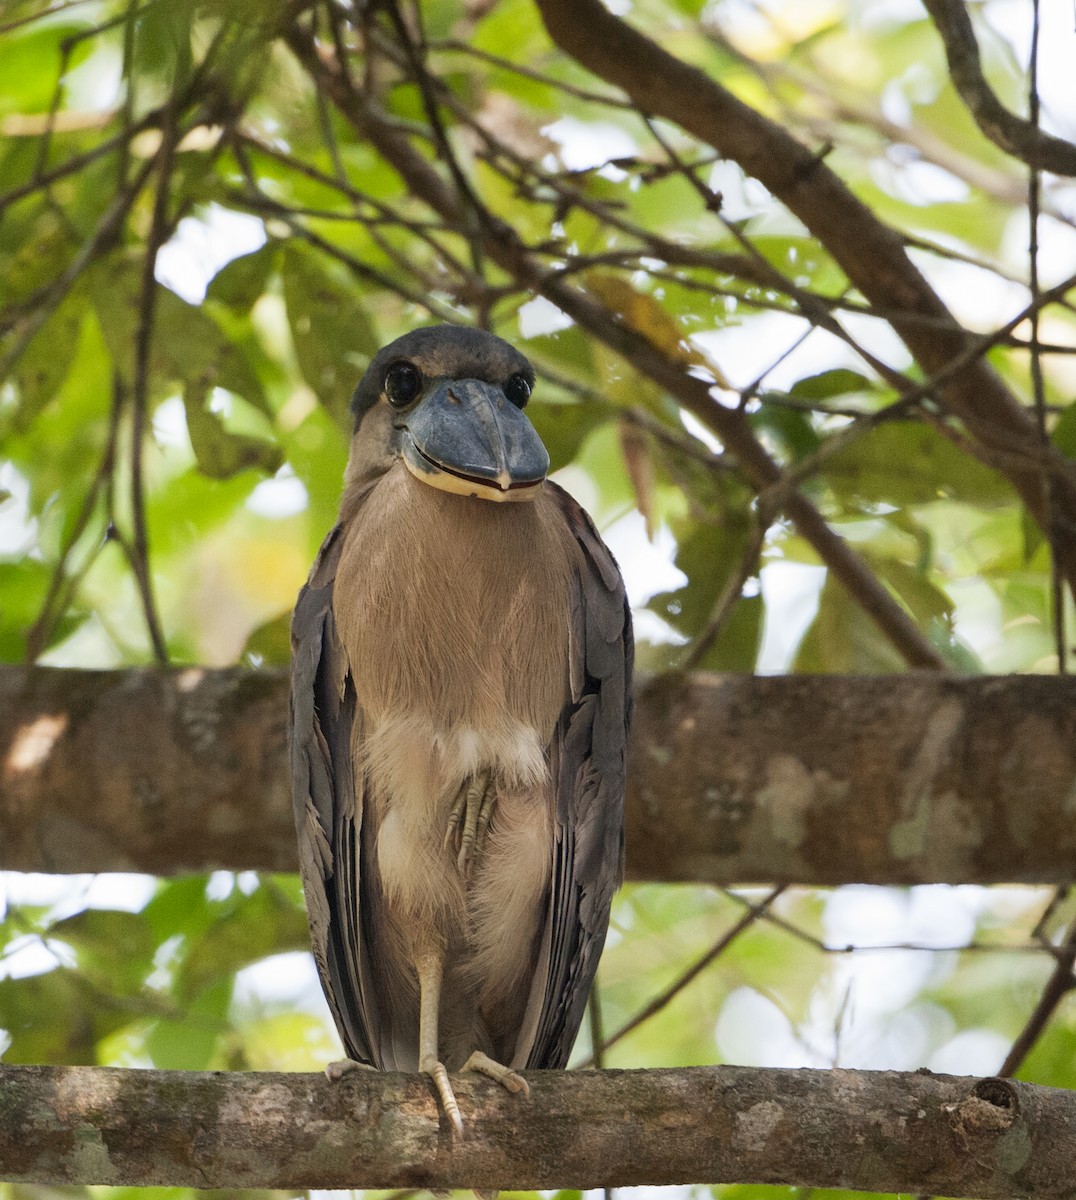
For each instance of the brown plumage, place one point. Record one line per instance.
(460, 693)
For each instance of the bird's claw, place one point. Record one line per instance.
(470, 818)
(505, 1076)
(344, 1066)
(439, 1075)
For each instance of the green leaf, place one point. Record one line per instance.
(736, 649)
(842, 639)
(708, 555)
(55, 1017)
(333, 336)
(23, 587)
(30, 60)
(34, 249)
(190, 1044)
(241, 930)
(926, 601)
(601, 458)
(839, 381)
(564, 427)
(43, 366)
(317, 451)
(909, 463)
(270, 644)
(115, 949)
(1034, 538)
(163, 40)
(1064, 432)
(791, 429)
(180, 908)
(221, 453)
(244, 280)
(189, 347)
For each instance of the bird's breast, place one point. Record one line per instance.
(454, 612)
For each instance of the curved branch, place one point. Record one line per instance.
(1015, 135)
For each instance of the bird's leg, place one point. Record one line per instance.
(429, 964)
(469, 820)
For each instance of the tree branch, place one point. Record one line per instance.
(1015, 135)
(1058, 986)
(870, 253)
(732, 779)
(870, 1131)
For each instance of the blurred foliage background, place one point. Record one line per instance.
(200, 249)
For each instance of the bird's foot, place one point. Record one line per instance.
(344, 1066)
(451, 1109)
(482, 1063)
(505, 1076)
(470, 819)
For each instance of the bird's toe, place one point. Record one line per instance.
(505, 1076)
(344, 1066)
(437, 1072)
(469, 819)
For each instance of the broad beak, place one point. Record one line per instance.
(467, 437)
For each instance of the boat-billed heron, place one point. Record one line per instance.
(460, 693)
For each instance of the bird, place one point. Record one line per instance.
(460, 701)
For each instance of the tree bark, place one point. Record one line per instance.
(732, 779)
(878, 1131)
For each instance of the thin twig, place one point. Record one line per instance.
(1058, 986)
(1038, 384)
(1016, 136)
(61, 585)
(45, 301)
(505, 64)
(730, 593)
(140, 391)
(472, 207)
(664, 997)
(50, 11)
(128, 76)
(817, 314)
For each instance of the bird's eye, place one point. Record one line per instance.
(402, 384)
(518, 390)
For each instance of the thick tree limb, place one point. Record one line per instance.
(811, 779)
(1015, 135)
(871, 1131)
(871, 253)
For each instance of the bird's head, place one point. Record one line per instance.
(449, 401)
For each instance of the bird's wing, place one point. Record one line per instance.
(587, 764)
(328, 805)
